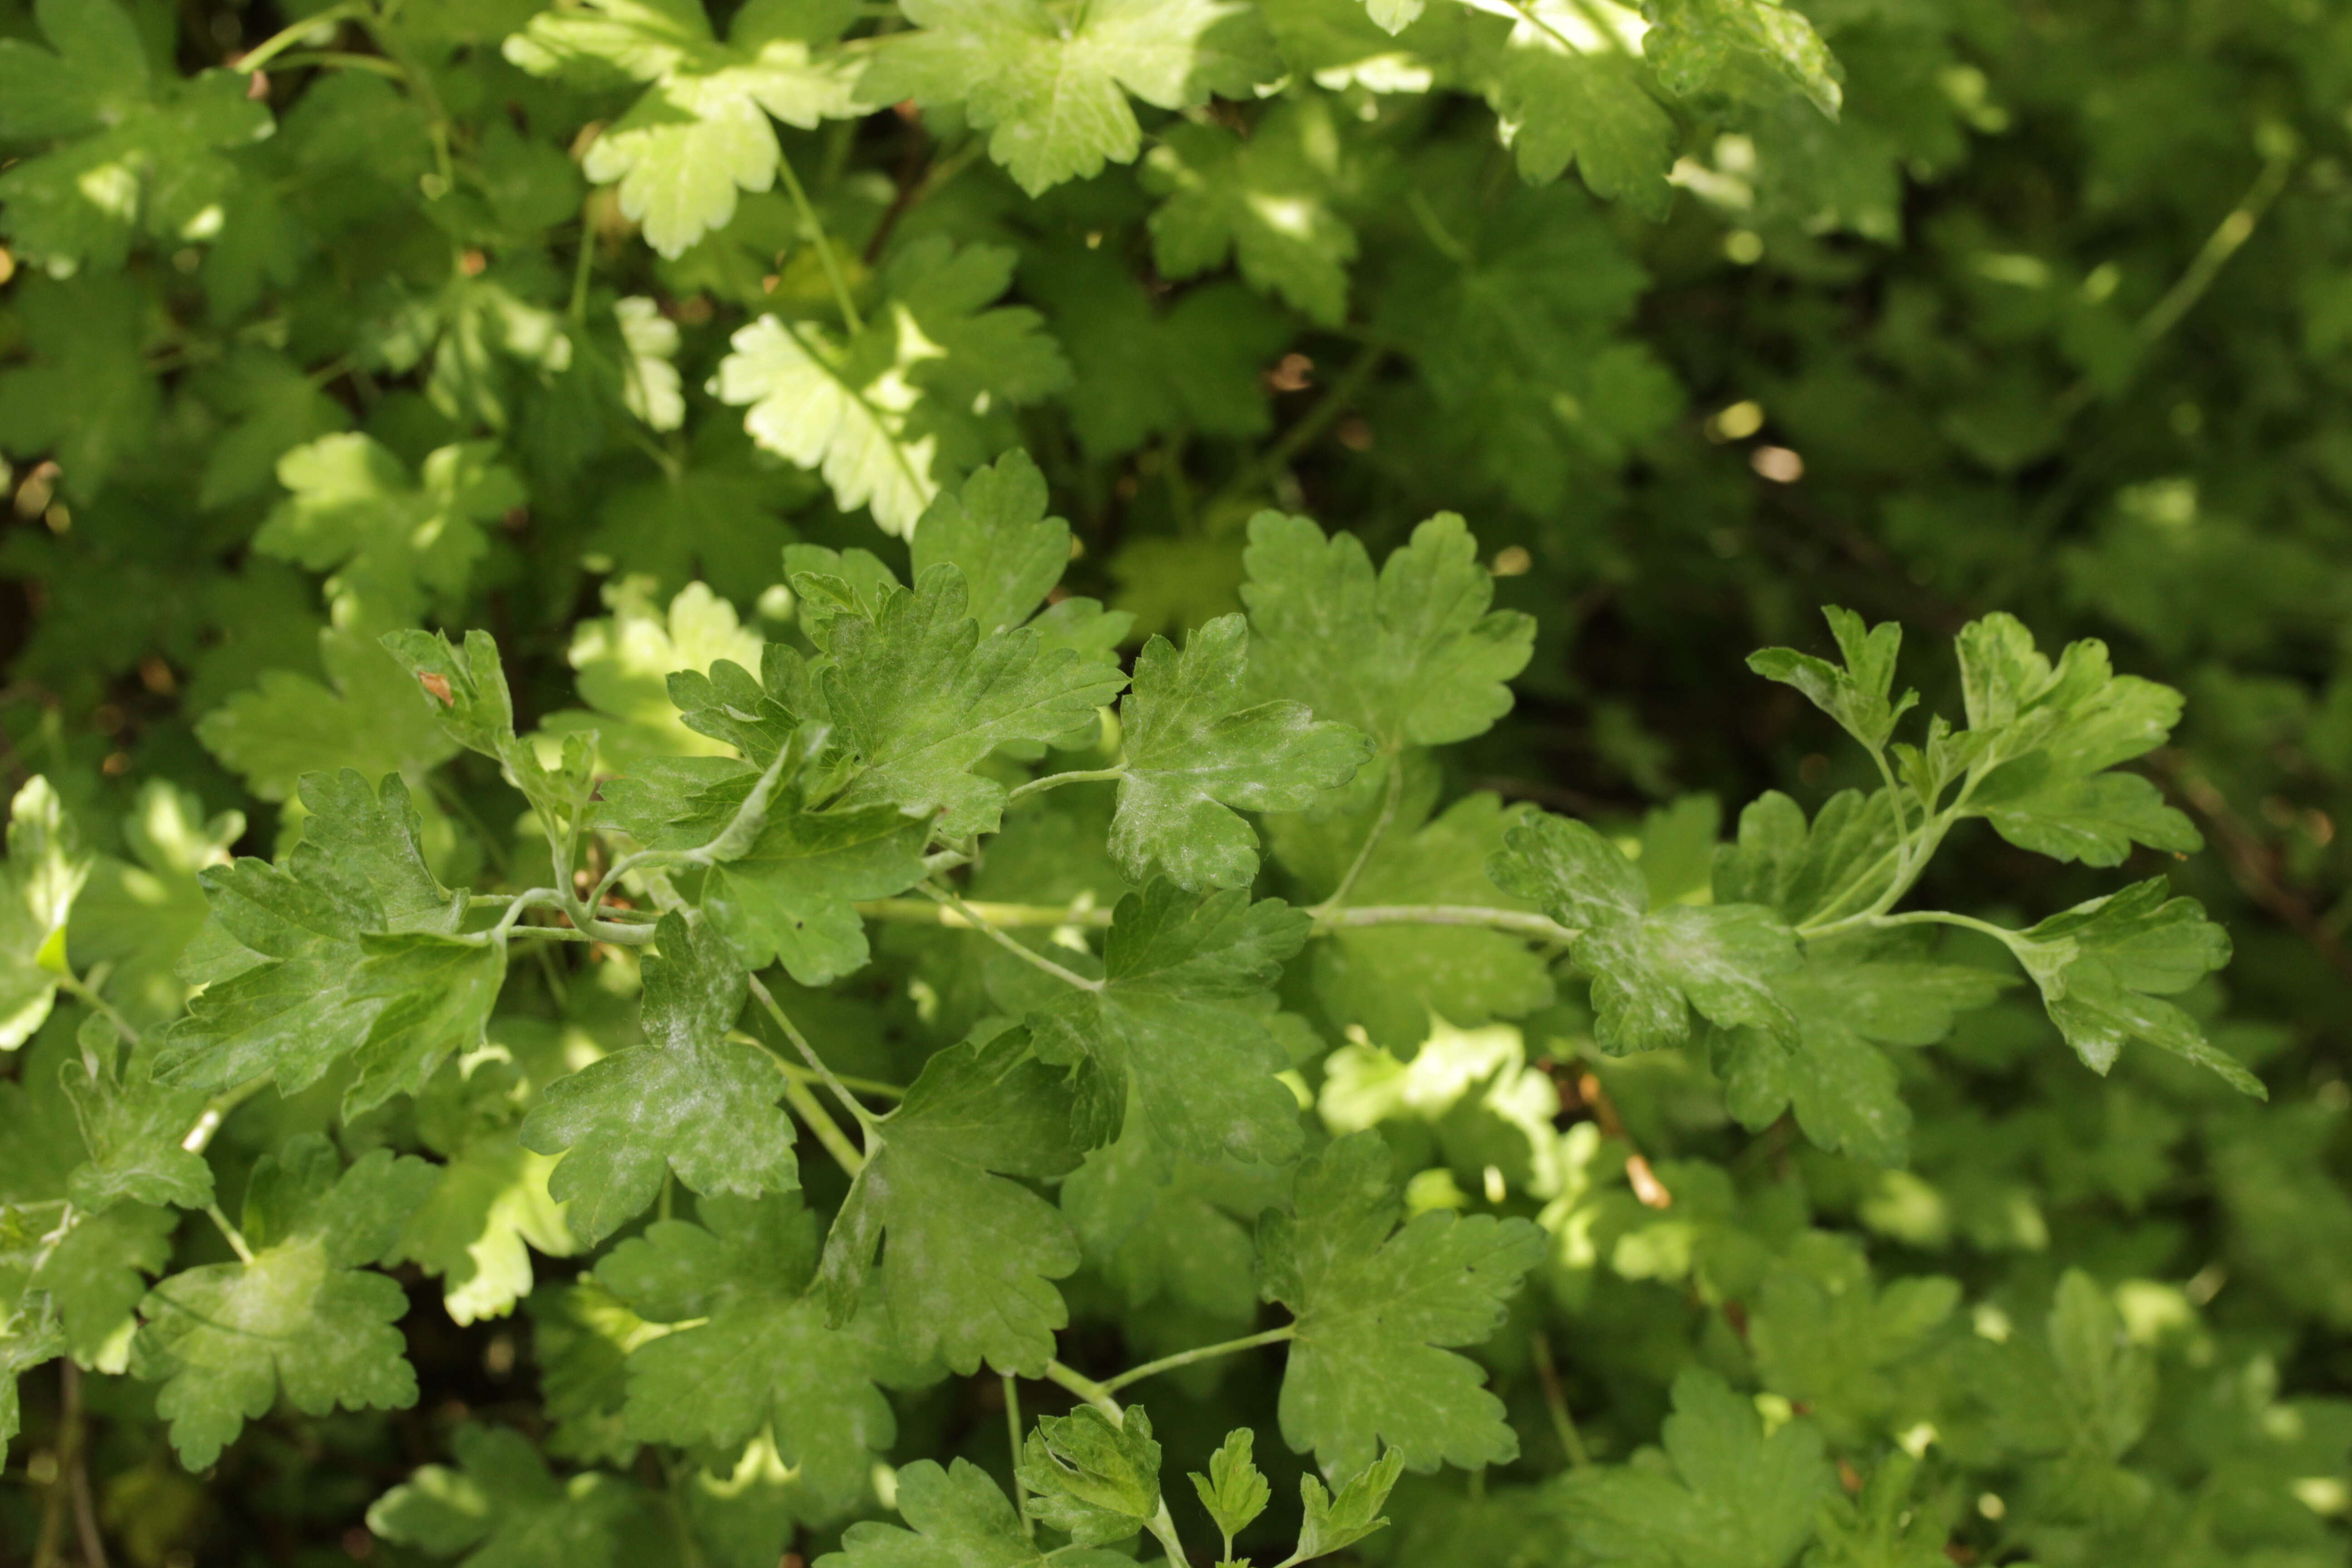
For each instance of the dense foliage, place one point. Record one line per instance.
(767, 803)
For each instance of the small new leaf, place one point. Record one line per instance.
(1094, 1479)
(1333, 1522)
(957, 1516)
(1234, 1491)
(1857, 694)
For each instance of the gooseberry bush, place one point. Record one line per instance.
(912, 784)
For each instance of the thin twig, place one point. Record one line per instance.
(1393, 797)
(1012, 1430)
(823, 243)
(866, 1119)
(1027, 955)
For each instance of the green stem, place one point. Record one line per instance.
(235, 1239)
(217, 1110)
(820, 1122)
(2006, 938)
(1013, 1431)
(286, 37)
(1055, 781)
(341, 59)
(794, 1070)
(865, 1118)
(1068, 977)
(1571, 1441)
(1395, 796)
(1205, 1352)
(1098, 1395)
(832, 273)
(73, 987)
(1085, 1388)
(924, 912)
(1519, 921)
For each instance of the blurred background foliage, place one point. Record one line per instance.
(2056, 319)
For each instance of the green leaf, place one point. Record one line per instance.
(363, 717)
(139, 914)
(45, 870)
(1857, 694)
(475, 1229)
(1334, 1522)
(292, 986)
(787, 878)
(1756, 49)
(2048, 735)
(700, 131)
(1177, 1033)
(97, 70)
(1410, 657)
(1886, 1527)
(1234, 1491)
(1732, 1499)
(935, 1184)
(1375, 1304)
(2103, 966)
(504, 1508)
(1838, 865)
(1828, 1339)
(1390, 980)
(24, 1343)
(438, 992)
(1054, 95)
(898, 410)
(85, 396)
(758, 1354)
(302, 1317)
(1196, 748)
(997, 534)
(95, 1277)
(1646, 965)
(918, 697)
(1095, 1480)
(151, 162)
(1566, 86)
(133, 1129)
(1143, 366)
(466, 694)
(1267, 200)
(393, 542)
(1176, 1235)
(581, 1336)
(1853, 996)
(959, 1516)
(688, 1100)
